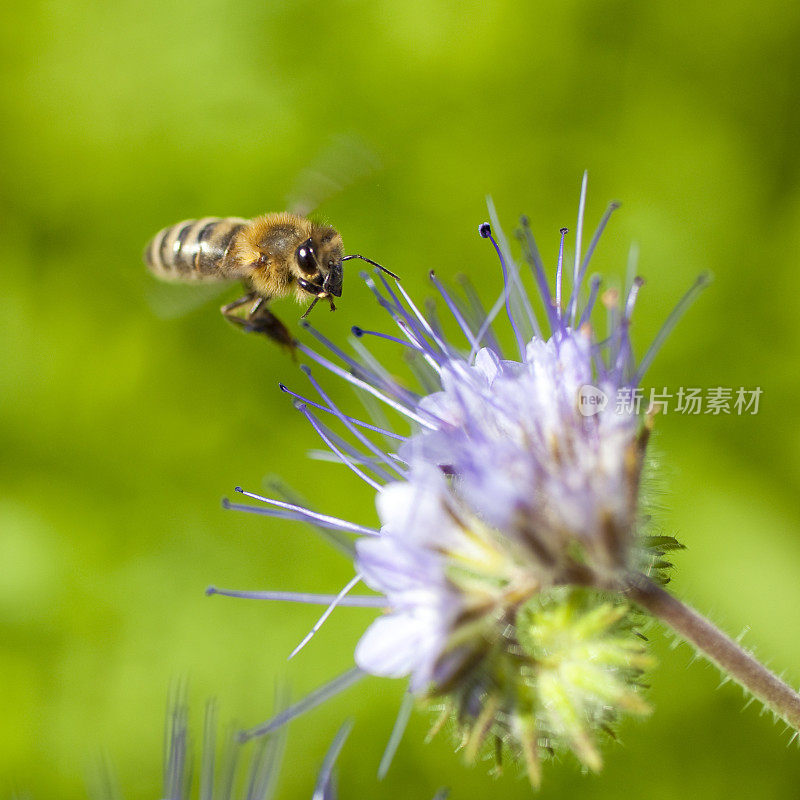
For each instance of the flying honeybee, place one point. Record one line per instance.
(275, 255)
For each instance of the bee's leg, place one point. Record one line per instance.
(316, 300)
(308, 310)
(230, 310)
(258, 319)
(262, 320)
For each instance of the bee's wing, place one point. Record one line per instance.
(171, 300)
(343, 161)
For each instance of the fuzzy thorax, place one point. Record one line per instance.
(266, 253)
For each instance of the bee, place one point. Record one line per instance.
(275, 255)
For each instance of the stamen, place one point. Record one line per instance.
(312, 700)
(576, 275)
(623, 363)
(456, 364)
(360, 369)
(559, 269)
(338, 539)
(359, 332)
(672, 320)
(632, 266)
(382, 301)
(361, 438)
(421, 317)
(518, 294)
(320, 429)
(623, 366)
(354, 601)
(485, 231)
(594, 288)
(355, 455)
(275, 513)
(637, 284)
(612, 207)
(432, 316)
(325, 789)
(425, 353)
(322, 519)
(325, 614)
(325, 455)
(360, 423)
(490, 318)
(454, 310)
(396, 310)
(375, 410)
(176, 736)
(610, 299)
(352, 379)
(377, 367)
(478, 312)
(422, 372)
(410, 330)
(403, 715)
(534, 258)
(209, 751)
(264, 768)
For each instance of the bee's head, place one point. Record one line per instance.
(317, 263)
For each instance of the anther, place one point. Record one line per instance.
(485, 230)
(610, 298)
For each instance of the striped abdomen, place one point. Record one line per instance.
(196, 249)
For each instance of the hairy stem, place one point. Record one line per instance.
(718, 647)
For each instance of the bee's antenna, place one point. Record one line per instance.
(308, 310)
(374, 264)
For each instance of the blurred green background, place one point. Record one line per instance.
(123, 424)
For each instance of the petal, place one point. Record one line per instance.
(392, 566)
(487, 364)
(414, 509)
(399, 644)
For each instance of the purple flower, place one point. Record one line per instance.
(516, 488)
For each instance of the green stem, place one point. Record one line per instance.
(719, 648)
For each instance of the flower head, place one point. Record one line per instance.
(510, 517)
(526, 458)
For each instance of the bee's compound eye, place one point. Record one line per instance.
(306, 258)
